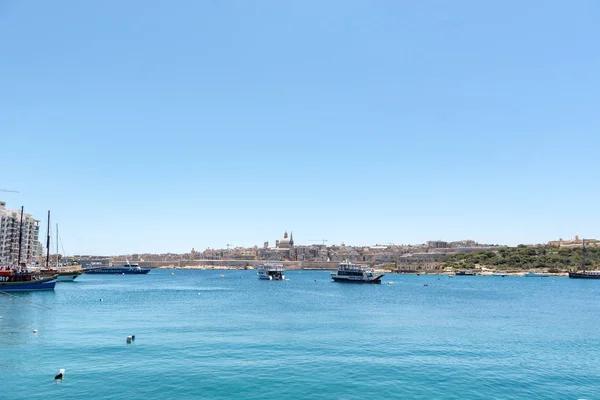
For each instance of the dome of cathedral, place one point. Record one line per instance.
(286, 242)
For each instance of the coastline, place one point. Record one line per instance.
(295, 268)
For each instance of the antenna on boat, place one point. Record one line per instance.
(48, 242)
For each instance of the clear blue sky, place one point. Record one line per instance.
(151, 126)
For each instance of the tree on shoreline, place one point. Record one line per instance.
(524, 257)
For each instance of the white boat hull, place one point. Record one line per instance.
(356, 279)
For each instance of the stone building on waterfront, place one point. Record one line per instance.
(577, 242)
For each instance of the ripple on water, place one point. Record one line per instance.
(475, 338)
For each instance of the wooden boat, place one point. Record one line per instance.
(19, 279)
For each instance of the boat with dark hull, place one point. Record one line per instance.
(18, 281)
(19, 278)
(127, 269)
(355, 273)
(584, 274)
(465, 272)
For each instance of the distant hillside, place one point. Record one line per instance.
(528, 257)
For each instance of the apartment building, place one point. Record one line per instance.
(10, 226)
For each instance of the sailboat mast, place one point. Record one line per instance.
(20, 237)
(57, 246)
(48, 242)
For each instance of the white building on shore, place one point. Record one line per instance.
(10, 221)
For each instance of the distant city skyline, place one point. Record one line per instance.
(204, 123)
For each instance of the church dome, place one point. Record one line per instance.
(286, 242)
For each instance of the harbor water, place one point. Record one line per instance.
(229, 335)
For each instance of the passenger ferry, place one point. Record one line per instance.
(355, 273)
(585, 275)
(271, 272)
(126, 269)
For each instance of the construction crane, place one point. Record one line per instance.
(10, 191)
(319, 240)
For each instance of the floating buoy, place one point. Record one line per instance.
(129, 339)
(61, 373)
(316, 280)
(35, 331)
(390, 283)
(101, 299)
(222, 276)
(173, 273)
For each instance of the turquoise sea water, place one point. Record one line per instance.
(200, 336)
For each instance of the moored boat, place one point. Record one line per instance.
(19, 279)
(584, 274)
(271, 272)
(355, 273)
(61, 274)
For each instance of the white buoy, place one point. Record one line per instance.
(390, 283)
(35, 331)
(101, 299)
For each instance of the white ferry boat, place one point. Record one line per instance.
(271, 272)
(355, 273)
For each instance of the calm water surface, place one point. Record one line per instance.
(200, 336)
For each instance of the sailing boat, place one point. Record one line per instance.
(62, 275)
(19, 279)
(584, 274)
